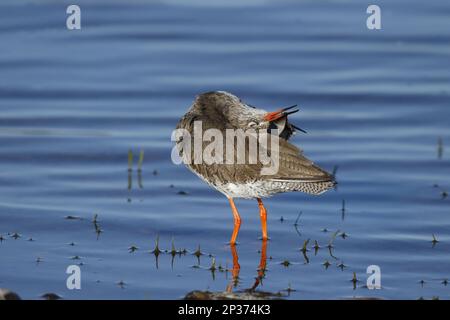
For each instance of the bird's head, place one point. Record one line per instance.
(238, 114)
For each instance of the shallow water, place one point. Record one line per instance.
(73, 103)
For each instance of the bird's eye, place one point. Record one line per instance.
(252, 124)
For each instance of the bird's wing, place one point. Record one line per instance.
(295, 167)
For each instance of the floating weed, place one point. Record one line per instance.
(173, 250)
(139, 171)
(182, 193)
(281, 219)
(30, 239)
(298, 218)
(130, 182)
(341, 266)
(330, 252)
(71, 244)
(198, 253)
(140, 184)
(286, 263)
(289, 289)
(75, 258)
(121, 284)
(141, 160)
(445, 282)
(444, 193)
(304, 249)
(305, 256)
(434, 241)
(156, 251)
(97, 228)
(330, 244)
(213, 265)
(440, 148)
(422, 283)
(316, 247)
(333, 237)
(326, 264)
(73, 218)
(213, 268)
(354, 280)
(325, 230)
(155, 172)
(296, 224)
(15, 236)
(130, 160)
(132, 248)
(38, 260)
(344, 235)
(130, 169)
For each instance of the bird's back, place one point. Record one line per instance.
(295, 172)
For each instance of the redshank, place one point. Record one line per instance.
(222, 111)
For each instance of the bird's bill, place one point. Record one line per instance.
(279, 117)
(275, 115)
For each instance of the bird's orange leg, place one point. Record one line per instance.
(237, 222)
(263, 216)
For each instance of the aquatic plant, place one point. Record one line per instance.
(354, 280)
(286, 263)
(440, 148)
(141, 160)
(130, 160)
(305, 246)
(434, 241)
(132, 248)
(316, 247)
(156, 251)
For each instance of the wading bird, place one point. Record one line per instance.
(222, 111)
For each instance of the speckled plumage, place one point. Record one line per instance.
(222, 110)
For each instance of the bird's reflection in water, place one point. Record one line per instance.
(262, 265)
(232, 292)
(261, 271)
